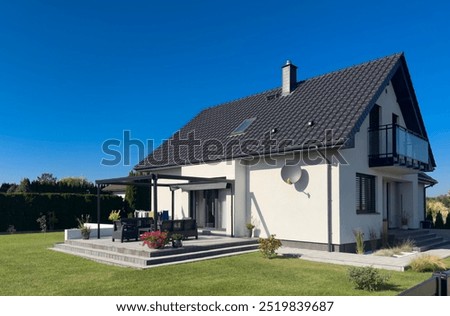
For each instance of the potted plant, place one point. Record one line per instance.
(155, 239)
(250, 227)
(404, 220)
(114, 216)
(84, 229)
(177, 240)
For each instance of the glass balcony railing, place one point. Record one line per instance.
(391, 145)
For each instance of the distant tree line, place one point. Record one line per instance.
(47, 183)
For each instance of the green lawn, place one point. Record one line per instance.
(28, 267)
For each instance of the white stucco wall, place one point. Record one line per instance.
(404, 180)
(291, 212)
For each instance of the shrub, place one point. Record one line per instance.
(405, 246)
(439, 223)
(114, 215)
(367, 278)
(11, 229)
(359, 238)
(447, 221)
(42, 223)
(427, 263)
(269, 246)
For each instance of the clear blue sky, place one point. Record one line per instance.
(76, 73)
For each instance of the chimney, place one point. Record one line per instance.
(289, 77)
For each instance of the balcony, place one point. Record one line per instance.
(393, 145)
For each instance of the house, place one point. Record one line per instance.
(115, 189)
(310, 161)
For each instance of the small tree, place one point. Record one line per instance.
(52, 220)
(137, 197)
(12, 188)
(46, 178)
(24, 186)
(447, 221)
(42, 220)
(430, 218)
(439, 223)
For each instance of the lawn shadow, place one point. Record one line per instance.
(285, 256)
(391, 287)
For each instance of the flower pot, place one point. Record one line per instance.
(177, 243)
(85, 234)
(249, 233)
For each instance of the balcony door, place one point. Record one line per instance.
(374, 123)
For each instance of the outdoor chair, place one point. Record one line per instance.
(131, 228)
(185, 227)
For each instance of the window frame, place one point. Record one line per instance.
(243, 126)
(365, 201)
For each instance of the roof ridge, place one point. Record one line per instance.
(398, 55)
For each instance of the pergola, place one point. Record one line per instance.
(152, 180)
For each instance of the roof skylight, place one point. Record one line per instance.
(243, 126)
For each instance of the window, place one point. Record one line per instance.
(365, 193)
(244, 125)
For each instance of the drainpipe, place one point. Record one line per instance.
(329, 202)
(329, 208)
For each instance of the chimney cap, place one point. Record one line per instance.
(288, 62)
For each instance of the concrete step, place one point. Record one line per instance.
(142, 258)
(100, 254)
(412, 233)
(200, 254)
(435, 245)
(417, 238)
(423, 239)
(428, 241)
(143, 251)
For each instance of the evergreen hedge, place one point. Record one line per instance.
(22, 209)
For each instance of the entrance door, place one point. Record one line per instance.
(211, 207)
(205, 208)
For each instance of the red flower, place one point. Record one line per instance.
(155, 239)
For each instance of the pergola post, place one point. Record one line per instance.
(173, 203)
(98, 211)
(155, 199)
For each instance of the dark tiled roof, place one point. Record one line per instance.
(337, 101)
(423, 177)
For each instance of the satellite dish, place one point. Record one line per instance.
(291, 174)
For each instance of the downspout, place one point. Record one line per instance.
(232, 209)
(329, 202)
(329, 208)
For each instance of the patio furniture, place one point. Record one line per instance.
(131, 228)
(185, 227)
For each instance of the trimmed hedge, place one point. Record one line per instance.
(22, 209)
